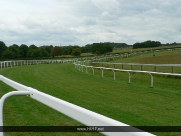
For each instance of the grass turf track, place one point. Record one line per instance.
(133, 104)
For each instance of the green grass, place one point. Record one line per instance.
(129, 49)
(166, 57)
(133, 104)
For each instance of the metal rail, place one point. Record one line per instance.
(122, 70)
(78, 113)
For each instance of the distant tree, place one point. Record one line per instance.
(3, 47)
(88, 48)
(108, 48)
(23, 50)
(16, 50)
(57, 50)
(76, 51)
(97, 48)
(70, 49)
(32, 47)
(101, 48)
(147, 44)
(35, 53)
(7, 54)
(83, 49)
(43, 52)
(48, 49)
(38, 52)
(31, 52)
(52, 54)
(65, 50)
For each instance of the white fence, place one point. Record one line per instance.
(13, 63)
(138, 64)
(78, 113)
(81, 67)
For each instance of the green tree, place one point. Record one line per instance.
(108, 48)
(70, 49)
(3, 47)
(7, 54)
(76, 51)
(57, 50)
(31, 52)
(36, 53)
(32, 47)
(52, 54)
(16, 51)
(43, 52)
(147, 44)
(48, 49)
(65, 50)
(101, 48)
(23, 50)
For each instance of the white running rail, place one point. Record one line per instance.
(78, 113)
(79, 66)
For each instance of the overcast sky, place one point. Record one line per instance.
(81, 22)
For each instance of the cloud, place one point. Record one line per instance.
(80, 22)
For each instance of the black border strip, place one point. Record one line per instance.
(90, 128)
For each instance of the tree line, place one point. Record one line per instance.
(146, 44)
(91, 47)
(23, 51)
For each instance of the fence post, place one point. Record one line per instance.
(92, 70)
(129, 77)
(82, 68)
(102, 72)
(114, 74)
(151, 79)
(3, 98)
(86, 70)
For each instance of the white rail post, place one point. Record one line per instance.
(92, 70)
(86, 70)
(114, 74)
(151, 79)
(3, 98)
(102, 72)
(79, 67)
(82, 68)
(129, 77)
(75, 65)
